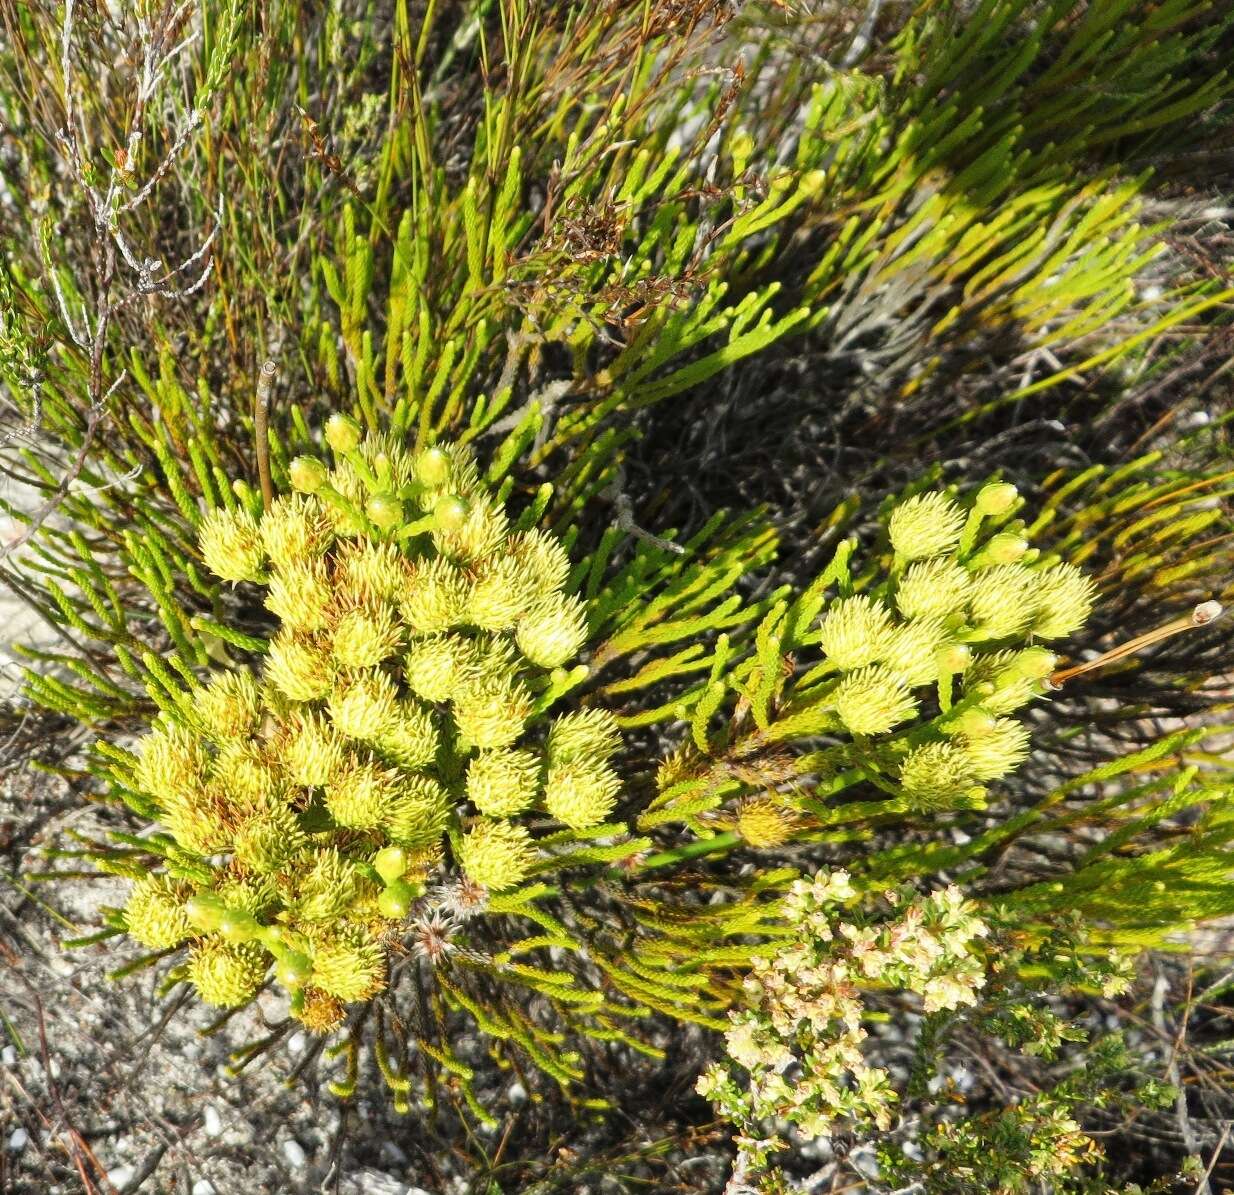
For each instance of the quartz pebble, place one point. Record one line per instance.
(203, 1186)
(120, 1176)
(293, 1151)
(213, 1123)
(18, 1139)
(8, 1056)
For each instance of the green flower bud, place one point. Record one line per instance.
(385, 511)
(492, 711)
(855, 632)
(450, 512)
(1004, 548)
(363, 705)
(391, 863)
(293, 969)
(972, 722)
(418, 814)
(343, 432)
(585, 734)
(580, 793)
(953, 657)
(998, 750)
(1001, 601)
(229, 707)
(350, 966)
(434, 597)
(503, 783)
(300, 595)
(496, 854)
(396, 900)
(435, 666)
(1065, 599)
(996, 498)
(298, 667)
(294, 530)
(873, 700)
(431, 468)
(155, 912)
(205, 910)
(1033, 663)
(1002, 688)
(553, 631)
(226, 974)
(306, 474)
(933, 589)
(365, 635)
(231, 546)
(361, 795)
(925, 525)
(238, 926)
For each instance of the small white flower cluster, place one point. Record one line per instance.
(800, 1035)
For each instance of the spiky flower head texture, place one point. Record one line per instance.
(580, 792)
(155, 914)
(229, 707)
(503, 783)
(231, 545)
(764, 821)
(854, 632)
(935, 774)
(925, 525)
(226, 974)
(496, 854)
(873, 700)
(936, 588)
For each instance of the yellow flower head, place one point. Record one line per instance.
(435, 666)
(363, 705)
(496, 854)
(300, 595)
(854, 632)
(580, 793)
(925, 525)
(299, 668)
(229, 707)
(154, 912)
(933, 589)
(231, 545)
(553, 631)
(226, 974)
(365, 635)
(349, 965)
(294, 531)
(503, 783)
(873, 700)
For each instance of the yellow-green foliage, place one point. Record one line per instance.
(376, 751)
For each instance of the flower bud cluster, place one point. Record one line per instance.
(957, 610)
(795, 1047)
(390, 743)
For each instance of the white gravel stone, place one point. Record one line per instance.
(18, 1139)
(213, 1122)
(296, 1043)
(294, 1153)
(8, 1056)
(120, 1175)
(203, 1186)
(516, 1093)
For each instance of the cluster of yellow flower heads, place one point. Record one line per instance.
(955, 610)
(799, 1037)
(392, 741)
